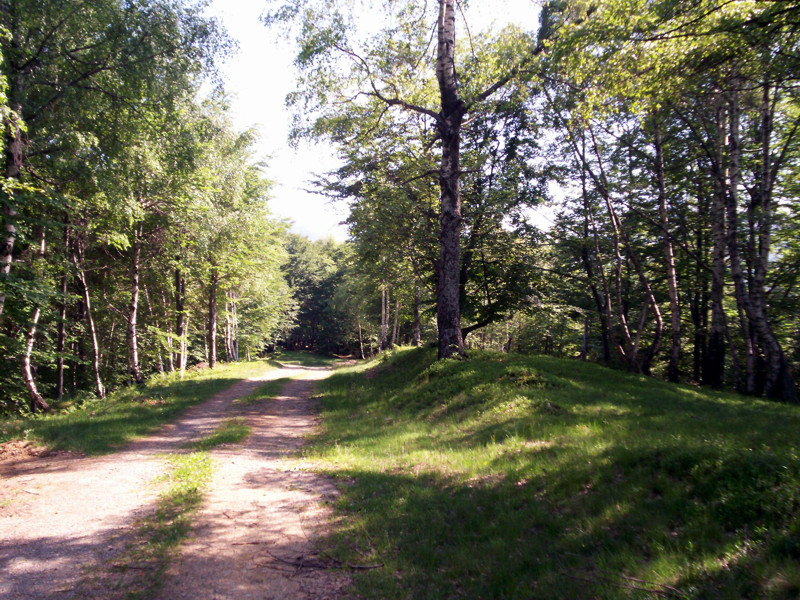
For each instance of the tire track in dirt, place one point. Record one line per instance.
(66, 514)
(261, 515)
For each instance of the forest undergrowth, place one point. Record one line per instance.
(511, 476)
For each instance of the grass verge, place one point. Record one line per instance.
(503, 476)
(101, 426)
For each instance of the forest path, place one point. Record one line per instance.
(67, 517)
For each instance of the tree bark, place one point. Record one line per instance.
(61, 342)
(181, 320)
(13, 166)
(228, 328)
(133, 340)
(714, 367)
(360, 339)
(743, 306)
(673, 368)
(600, 299)
(157, 325)
(779, 382)
(37, 402)
(87, 306)
(235, 325)
(212, 319)
(416, 327)
(169, 332)
(384, 318)
(700, 300)
(396, 324)
(448, 310)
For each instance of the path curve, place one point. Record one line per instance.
(65, 514)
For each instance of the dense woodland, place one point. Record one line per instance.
(664, 136)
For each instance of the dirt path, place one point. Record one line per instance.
(65, 515)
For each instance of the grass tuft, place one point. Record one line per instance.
(268, 390)
(231, 431)
(506, 476)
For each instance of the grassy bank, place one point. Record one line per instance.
(505, 476)
(100, 426)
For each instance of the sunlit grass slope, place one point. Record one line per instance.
(100, 426)
(503, 476)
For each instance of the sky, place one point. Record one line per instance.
(260, 75)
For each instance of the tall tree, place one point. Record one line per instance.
(388, 71)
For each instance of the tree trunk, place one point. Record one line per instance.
(61, 343)
(228, 328)
(743, 306)
(600, 299)
(448, 310)
(396, 325)
(714, 367)
(212, 319)
(360, 339)
(779, 382)
(169, 332)
(133, 341)
(37, 402)
(416, 327)
(673, 369)
(700, 296)
(585, 346)
(384, 318)
(157, 325)
(235, 325)
(13, 166)
(181, 321)
(87, 306)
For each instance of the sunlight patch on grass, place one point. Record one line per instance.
(231, 431)
(499, 475)
(266, 391)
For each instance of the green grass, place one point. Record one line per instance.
(505, 476)
(305, 359)
(270, 389)
(101, 426)
(231, 431)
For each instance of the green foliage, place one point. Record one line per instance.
(505, 476)
(314, 271)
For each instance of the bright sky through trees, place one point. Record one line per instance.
(259, 76)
